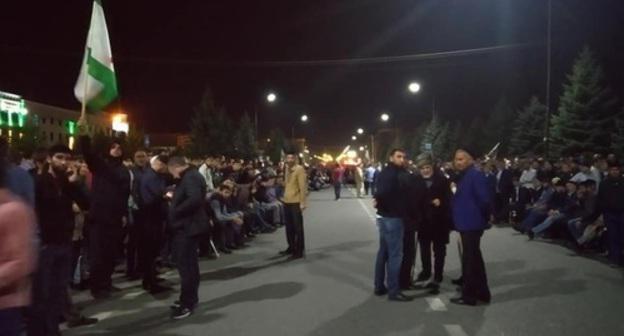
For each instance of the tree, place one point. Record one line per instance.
(29, 140)
(585, 118)
(617, 140)
(245, 139)
(497, 127)
(211, 129)
(528, 129)
(135, 140)
(276, 146)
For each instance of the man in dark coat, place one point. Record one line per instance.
(435, 227)
(504, 191)
(411, 223)
(470, 206)
(153, 189)
(611, 204)
(188, 221)
(109, 204)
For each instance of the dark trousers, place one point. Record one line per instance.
(294, 228)
(104, 237)
(185, 256)
(473, 268)
(409, 258)
(337, 189)
(149, 246)
(615, 235)
(49, 289)
(439, 255)
(367, 187)
(501, 207)
(11, 321)
(135, 231)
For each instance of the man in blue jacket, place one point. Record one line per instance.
(470, 207)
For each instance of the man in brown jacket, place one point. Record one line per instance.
(295, 193)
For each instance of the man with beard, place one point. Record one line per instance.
(55, 193)
(471, 205)
(153, 188)
(391, 204)
(109, 204)
(435, 227)
(295, 194)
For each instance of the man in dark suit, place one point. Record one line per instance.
(504, 191)
(188, 220)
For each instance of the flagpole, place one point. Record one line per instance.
(83, 112)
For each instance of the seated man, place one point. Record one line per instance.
(539, 211)
(229, 223)
(264, 195)
(560, 209)
(587, 214)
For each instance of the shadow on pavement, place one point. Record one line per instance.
(156, 321)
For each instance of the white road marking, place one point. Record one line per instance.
(455, 330)
(360, 200)
(436, 304)
(131, 295)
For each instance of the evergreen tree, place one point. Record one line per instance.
(528, 129)
(617, 140)
(135, 140)
(432, 132)
(497, 127)
(452, 141)
(245, 138)
(276, 146)
(585, 118)
(29, 140)
(211, 129)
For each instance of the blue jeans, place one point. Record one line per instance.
(576, 228)
(390, 254)
(615, 234)
(547, 223)
(534, 217)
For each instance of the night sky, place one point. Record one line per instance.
(166, 52)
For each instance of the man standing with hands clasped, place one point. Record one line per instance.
(470, 208)
(391, 204)
(295, 193)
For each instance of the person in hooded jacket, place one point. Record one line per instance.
(109, 204)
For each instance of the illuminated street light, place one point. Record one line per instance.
(304, 118)
(353, 138)
(361, 148)
(413, 87)
(360, 131)
(271, 97)
(385, 117)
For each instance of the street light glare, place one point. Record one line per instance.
(271, 97)
(385, 117)
(413, 87)
(304, 118)
(353, 138)
(360, 131)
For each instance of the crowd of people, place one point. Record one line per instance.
(73, 219)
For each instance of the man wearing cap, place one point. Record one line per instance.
(470, 210)
(611, 203)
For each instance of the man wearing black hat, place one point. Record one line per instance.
(55, 193)
(611, 203)
(471, 205)
(109, 204)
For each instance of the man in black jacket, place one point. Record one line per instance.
(55, 193)
(188, 220)
(136, 215)
(109, 204)
(611, 202)
(391, 203)
(152, 190)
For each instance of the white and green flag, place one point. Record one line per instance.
(97, 85)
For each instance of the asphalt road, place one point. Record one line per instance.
(538, 288)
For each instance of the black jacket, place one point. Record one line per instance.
(504, 185)
(187, 211)
(54, 198)
(391, 195)
(110, 187)
(611, 195)
(437, 223)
